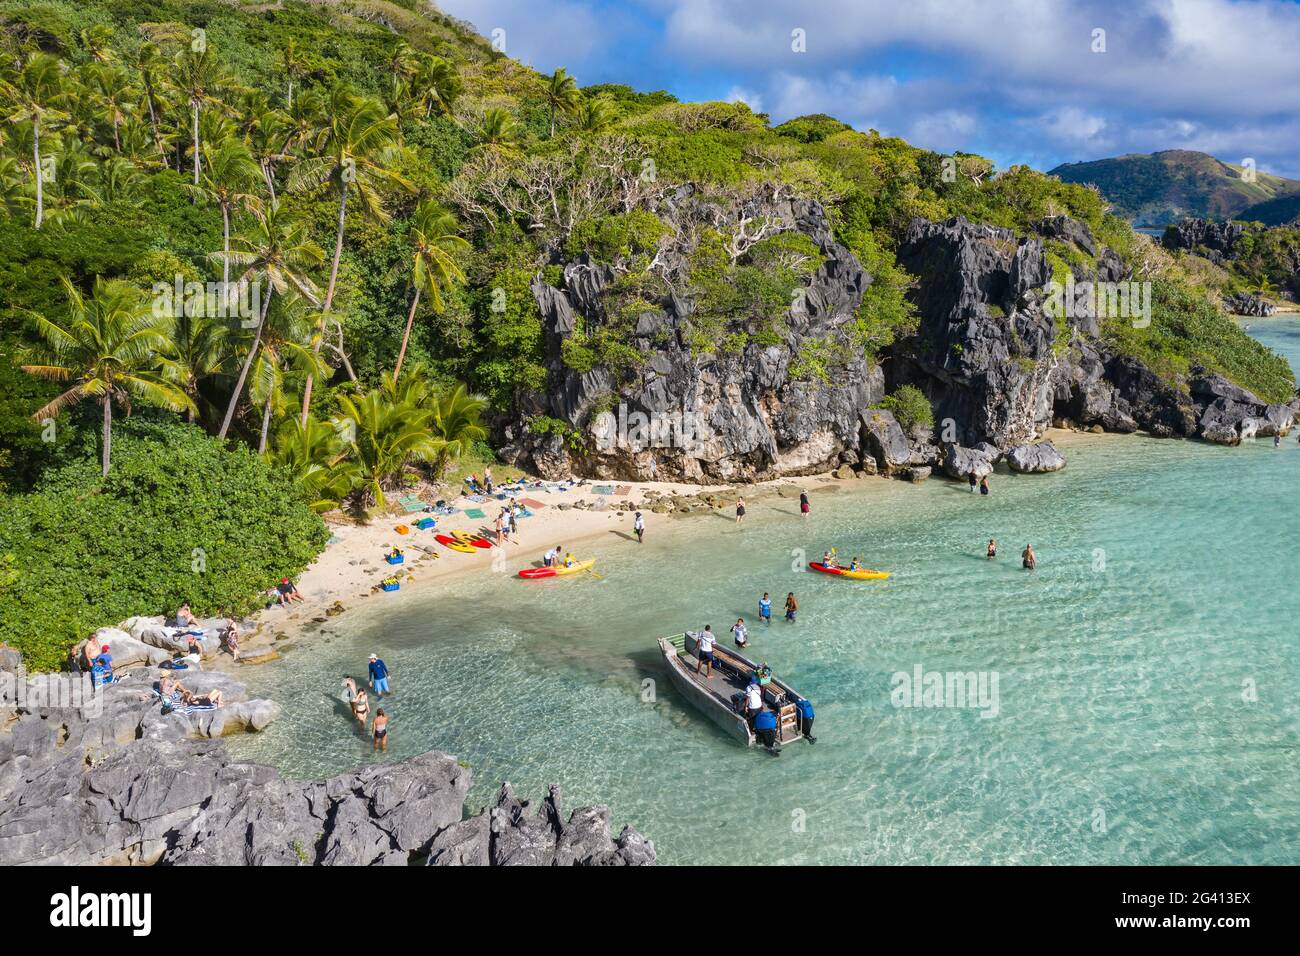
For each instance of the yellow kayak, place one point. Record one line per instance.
(558, 571)
(862, 574)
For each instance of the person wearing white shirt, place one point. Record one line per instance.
(704, 651)
(740, 632)
(753, 701)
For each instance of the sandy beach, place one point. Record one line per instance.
(345, 575)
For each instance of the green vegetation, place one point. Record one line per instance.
(910, 407)
(179, 518)
(1187, 330)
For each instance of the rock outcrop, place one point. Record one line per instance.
(1215, 241)
(1002, 351)
(717, 416)
(1245, 303)
(1035, 459)
(108, 778)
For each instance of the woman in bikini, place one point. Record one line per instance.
(361, 708)
(381, 731)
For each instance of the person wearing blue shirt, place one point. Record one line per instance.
(765, 729)
(378, 676)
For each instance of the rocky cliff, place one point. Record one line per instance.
(113, 780)
(999, 360)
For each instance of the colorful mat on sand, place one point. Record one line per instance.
(476, 513)
(623, 490)
(532, 503)
(410, 503)
(603, 491)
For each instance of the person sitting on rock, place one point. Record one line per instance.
(232, 638)
(171, 689)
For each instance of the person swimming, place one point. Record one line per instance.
(993, 549)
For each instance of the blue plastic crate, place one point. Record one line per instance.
(391, 587)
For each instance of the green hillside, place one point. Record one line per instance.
(1167, 186)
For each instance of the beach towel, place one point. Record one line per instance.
(476, 498)
(603, 490)
(523, 513)
(445, 510)
(623, 490)
(186, 709)
(532, 503)
(476, 513)
(411, 503)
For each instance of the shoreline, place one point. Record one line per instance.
(353, 560)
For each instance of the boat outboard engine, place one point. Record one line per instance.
(804, 708)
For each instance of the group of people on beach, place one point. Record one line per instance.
(359, 701)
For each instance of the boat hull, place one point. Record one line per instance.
(732, 723)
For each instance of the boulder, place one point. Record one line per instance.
(1245, 303)
(959, 462)
(885, 441)
(1035, 459)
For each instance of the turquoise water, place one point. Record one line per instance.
(1147, 683)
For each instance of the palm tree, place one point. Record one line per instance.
(356, 153)
(455, 415)
(265, 131)
(295, 66)
(98, 42)
(595, 114)
(500, 133)
(197, 74)
(111, 87)
(286, 347)
(383, 437)
(434, 242)
(149, 61)
(36, 95)
(439, 85)
(108, 348)
(281, 250)
(197, 350)
(227, 180)
(456, 425)
(561, 94)
(312, 453)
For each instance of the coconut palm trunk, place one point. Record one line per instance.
(406, 336)
(108, 432)
(248, 363)
(329, 295)
(36, 151)
(266, 426)
(195, 112)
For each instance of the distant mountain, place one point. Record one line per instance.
(1159, 188)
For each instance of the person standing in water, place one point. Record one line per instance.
(740, 510)
(791, 608)
(804, 506)
(638, 525)
(378, 676)
(984, 485)
(765, 609)
(381, 731)
(993, 549)
(1028, 560)
(739, 631)
(973, 481)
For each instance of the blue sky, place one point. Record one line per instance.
(1020, 81)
